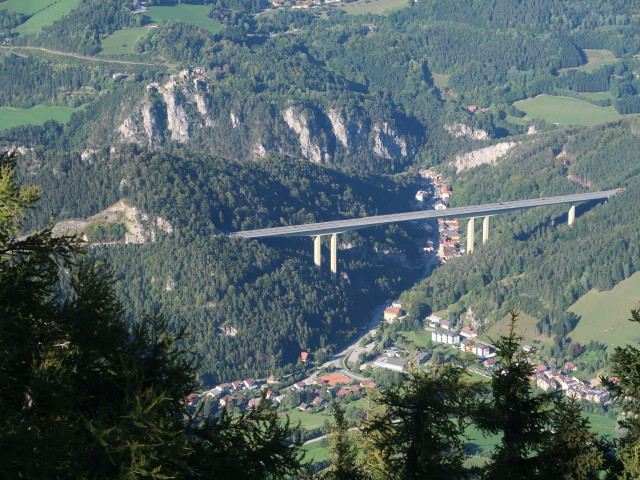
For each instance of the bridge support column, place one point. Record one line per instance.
(317, 256)
(485, 229)
(572, 214)
(470, 232)
(334, 255)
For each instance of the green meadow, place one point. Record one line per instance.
(14, 117)
(595, 58)
(378, 7)
(197, 15)
(121, 42)
(526, 327)
(605, 314)
(315, 452)
(565, 111)
(43, 12)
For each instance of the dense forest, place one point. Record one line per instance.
(368, 96)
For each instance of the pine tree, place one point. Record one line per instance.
(87, 394)
(624, 384)
(571, 450)
(421, 431)
(343, 451)
(513, 412)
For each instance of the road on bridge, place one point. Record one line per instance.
(324, 228)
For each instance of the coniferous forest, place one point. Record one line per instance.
(136, 136)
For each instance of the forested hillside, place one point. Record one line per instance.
(249, 118)
(251, 307)
(535, 261)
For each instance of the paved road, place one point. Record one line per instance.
(338, 226)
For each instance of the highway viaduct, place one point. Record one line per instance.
(318, 230)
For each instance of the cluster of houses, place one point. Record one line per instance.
(435, 194)
(547, 379)
(337, 386)
(465, 339)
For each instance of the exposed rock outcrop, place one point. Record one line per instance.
(460, 130)
(241, 128)
(482, 156)
(140, 227)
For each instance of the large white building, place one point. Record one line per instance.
(441, 336)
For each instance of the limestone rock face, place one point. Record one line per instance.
(387, 142)
(250, 128)
(304, 123)
(460, 130)
(482, 156)
(177, 121)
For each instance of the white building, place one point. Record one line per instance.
(395, 364)
(441, 336)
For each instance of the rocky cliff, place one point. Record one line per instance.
(250, 127)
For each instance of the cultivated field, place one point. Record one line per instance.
(565, 110)
(14, 117)
(121, 42)
(378, 7)
(197, 15)
(604, 314)
(595, 59)
(315, 452)
(44, 12)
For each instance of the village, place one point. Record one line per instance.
(334, 379)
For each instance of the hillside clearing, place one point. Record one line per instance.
(565, 111)
(15, 117)
(122, 42)
(595, 58)
(197, 15)
(526, 327)
(379, 7)
(43, 12)
(604, 314)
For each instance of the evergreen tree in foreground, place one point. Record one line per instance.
(624, 386)
(514, 412)
(420, 432)
(344, 453)
(83, 394)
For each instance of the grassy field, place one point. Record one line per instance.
(597, 95)
(43, 12)
(309, 420)
(315, 452)
(526, 327)
(121, 42)
(378, 7)
(420, 340)
(197, 15)
(604, 314)
(602, 425)
(595, 59)
(440, 80)
(565, 111)
(13, 117)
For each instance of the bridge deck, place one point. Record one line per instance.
(338, 226)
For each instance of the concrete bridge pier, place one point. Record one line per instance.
(470, 233)
(334, 255)
(485, 230)
(572, 214)
(317, 255)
